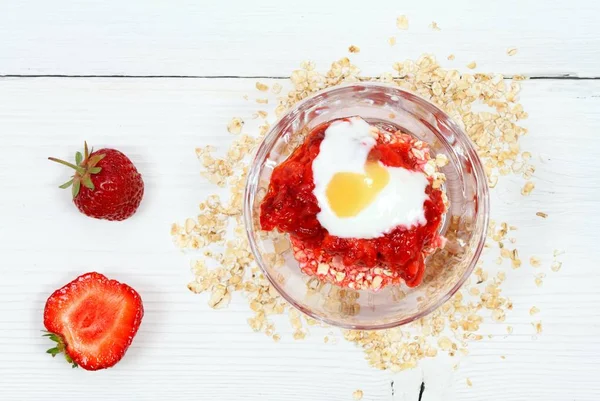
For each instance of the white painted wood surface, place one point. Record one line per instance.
(185, 350)
(270, 37)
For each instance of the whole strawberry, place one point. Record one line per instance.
(106, 184)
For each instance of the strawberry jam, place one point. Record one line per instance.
(290, 206)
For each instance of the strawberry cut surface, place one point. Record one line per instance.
(96, 319)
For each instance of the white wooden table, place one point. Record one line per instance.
(157, 78)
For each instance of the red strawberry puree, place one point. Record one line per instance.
(291, 207)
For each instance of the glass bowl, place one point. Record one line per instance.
(465, 223)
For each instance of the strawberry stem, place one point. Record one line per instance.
(85, 167)
(79, 169)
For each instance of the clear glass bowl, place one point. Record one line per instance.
(464, 225)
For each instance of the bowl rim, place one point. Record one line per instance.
(265, 146)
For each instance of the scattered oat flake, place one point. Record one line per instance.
(498, 315)
(472, 65)
(276, 88)
(502, 357)
(358, 394)
(450, 329)
(434, 26)
(538, 327)
(392, 40)
(534, 310)
(190, 224)
(555, 266)
(262, 101)
(402, 22)
(235, 125)
(264, 128)
(542, 215)
(527, 188)
(354, 49)
(511, 51)
(539, 279)
(493, 180)
(299, 334)
(445, 343)
(262, 87)
(469, 383)
(451, 57)
(535, 261)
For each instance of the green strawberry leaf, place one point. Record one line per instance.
(76, 186)
(87, 182)
(60, 347)
(67, 184)
(95, 159)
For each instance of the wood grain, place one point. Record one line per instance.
(271, 37)
(185, 350)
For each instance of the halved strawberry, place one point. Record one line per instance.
(93, 320)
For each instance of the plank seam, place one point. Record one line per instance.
(539, 77)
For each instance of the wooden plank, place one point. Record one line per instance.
(188, 37)
(184, 350)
